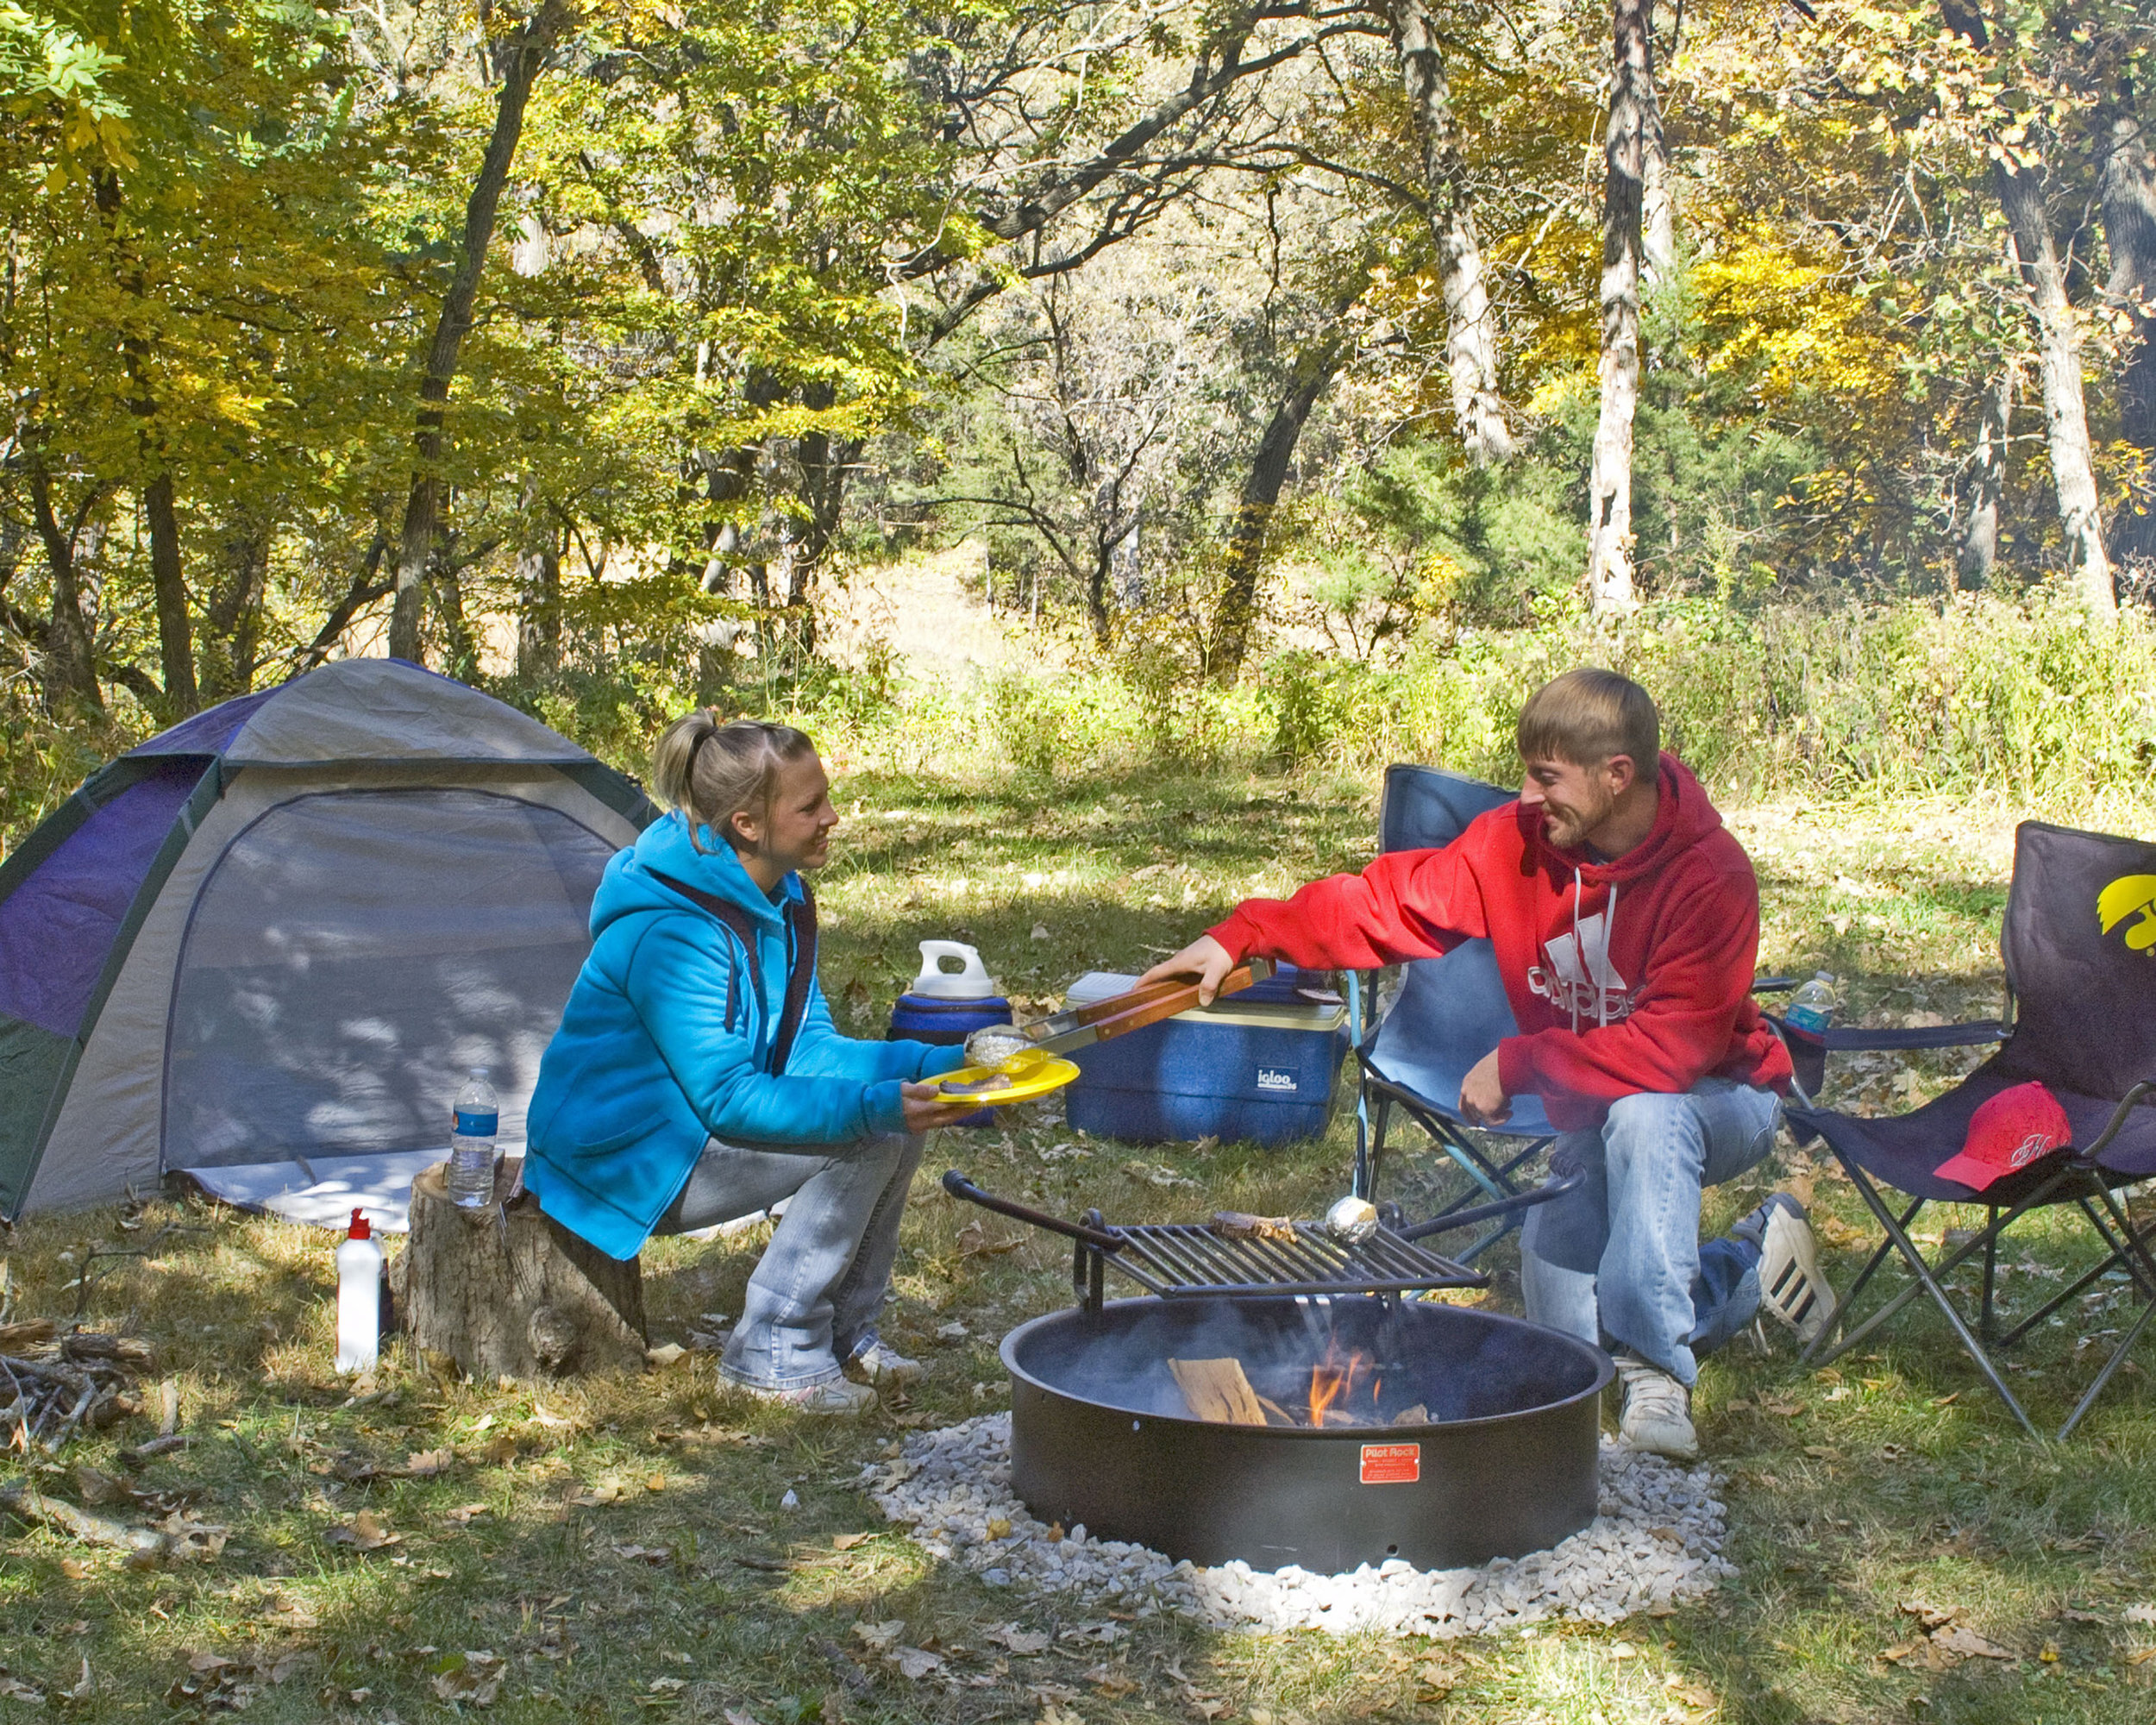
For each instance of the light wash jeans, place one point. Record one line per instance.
(813, 1296)
(1621, 1257)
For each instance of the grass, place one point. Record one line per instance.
(619, 1550)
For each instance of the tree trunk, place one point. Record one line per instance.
(2129, 231)
(1245, 557)
(2058, 379)
(232, 620)
(1471, 348)
(1609, 579)
(175, 635)
(518, 60)
(539, 604)
(68, 676)
(1983, 482)
(504, 1288)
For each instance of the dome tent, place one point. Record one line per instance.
(277, 936)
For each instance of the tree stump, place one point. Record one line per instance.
(505, 1289)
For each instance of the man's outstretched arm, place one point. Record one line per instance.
(1410, 904)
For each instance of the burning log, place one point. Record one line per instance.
(1219, 1391)
(54, 1387)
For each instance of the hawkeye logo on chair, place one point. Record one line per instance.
(2128, 897)
(1272, 1078)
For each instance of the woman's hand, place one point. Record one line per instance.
(1204, 958)
(927, 1108)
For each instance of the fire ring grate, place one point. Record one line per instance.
(1656, 1542)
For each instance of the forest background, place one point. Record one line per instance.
(1314, 374)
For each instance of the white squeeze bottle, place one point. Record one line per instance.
(358, 1298)
(1812, 1007)
(472, 1143)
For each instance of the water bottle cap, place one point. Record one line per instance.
(361, 1229)
(481, 1071)
(1823, 975)
(969, 982)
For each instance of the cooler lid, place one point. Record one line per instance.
(1305, 1016)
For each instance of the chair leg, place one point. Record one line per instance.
(1928, 1283)
(1879, 1257)
(1987, 1316)
(2110, 1365)
(1377, 1146)
(2119, 1255)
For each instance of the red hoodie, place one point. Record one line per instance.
(1628, 975)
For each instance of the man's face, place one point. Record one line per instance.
(1574, 799)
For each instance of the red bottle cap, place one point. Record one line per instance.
(360, 1229)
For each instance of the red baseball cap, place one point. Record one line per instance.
(2006, 1134)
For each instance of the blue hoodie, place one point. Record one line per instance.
(655, 1054)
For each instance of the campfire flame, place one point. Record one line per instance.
(1332, 1380)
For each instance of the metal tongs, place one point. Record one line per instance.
(1134, 1009)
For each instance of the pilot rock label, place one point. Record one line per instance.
(1391, 1464)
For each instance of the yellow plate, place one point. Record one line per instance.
(1037, 1076)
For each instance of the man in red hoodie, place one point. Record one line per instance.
(1626, 921)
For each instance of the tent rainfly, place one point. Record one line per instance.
(267, 947)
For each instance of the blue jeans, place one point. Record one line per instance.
(813, 1296)
(1621, 1257)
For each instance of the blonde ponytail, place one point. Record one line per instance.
(712, 772)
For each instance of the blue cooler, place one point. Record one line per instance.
(946, 1007)
(1261, 1064)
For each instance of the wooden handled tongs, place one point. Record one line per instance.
(1099, 1020)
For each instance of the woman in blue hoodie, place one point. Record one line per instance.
(697, 1077)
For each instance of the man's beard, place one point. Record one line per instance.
(1569, 830)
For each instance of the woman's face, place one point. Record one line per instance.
(795, 832)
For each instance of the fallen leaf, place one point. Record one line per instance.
(880, 1637)
(464, 1512)
(364, 1532)
(666, 1686)
(740, 1715)
(425, 1464)
(74, 1569)
(1025, 1642)
(97, 1487)
(916, 1663)
(2139, 1614)
(1930, 1616)
(666, 1354)
(1969, 1645)
(846, 1542)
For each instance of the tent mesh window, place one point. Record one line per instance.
(354, 953)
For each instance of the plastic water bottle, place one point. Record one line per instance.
(358, 1298)
(472, 1143)
(1812, 1007)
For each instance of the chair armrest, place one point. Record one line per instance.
(1858, 1038)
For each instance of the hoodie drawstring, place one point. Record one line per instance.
(1579, 952)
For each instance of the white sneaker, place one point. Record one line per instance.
(1791, 1285)
(1657, 1415)
(881, 1364)
(836, 1400)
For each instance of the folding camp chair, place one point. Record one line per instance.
(2079, 943)
(1450, 1012)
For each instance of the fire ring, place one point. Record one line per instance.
(1449, 1435)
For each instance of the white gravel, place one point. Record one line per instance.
(1656, 1540)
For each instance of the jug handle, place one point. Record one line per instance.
(933, 952)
